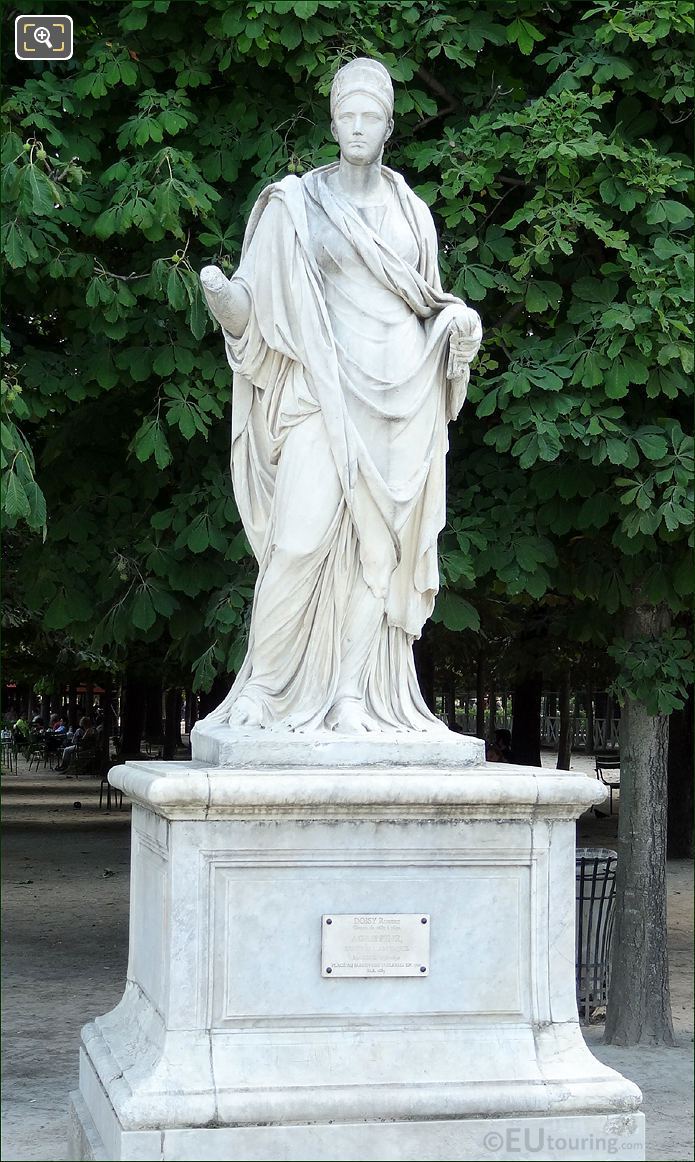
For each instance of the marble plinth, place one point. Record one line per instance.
(229, 1044)
(217, 745)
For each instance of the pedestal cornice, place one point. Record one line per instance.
(187, 790)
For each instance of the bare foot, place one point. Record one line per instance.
(348, 716)
(246, 712)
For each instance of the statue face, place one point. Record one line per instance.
(361, 128)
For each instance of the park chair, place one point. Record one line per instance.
(154, 746)
(9, 755)
(106, 787)
(36, 752)
(608, 772)
(87, 761)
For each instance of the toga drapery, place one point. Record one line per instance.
(340, 372)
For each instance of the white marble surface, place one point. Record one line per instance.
(227, 1022)
(349, 360)
(216, 744)
(500, 791)
(588, 1138)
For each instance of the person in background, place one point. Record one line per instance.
(84, 738)
(56, 736)
(21, 731)
(500, 751)
(57, 724)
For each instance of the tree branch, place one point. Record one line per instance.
(435, 85)
(507, 317)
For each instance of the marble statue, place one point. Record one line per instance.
(349, 361)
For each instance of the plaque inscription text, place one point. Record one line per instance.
(375, 944)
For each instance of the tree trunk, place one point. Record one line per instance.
(72, 705)
(450, 700)
(492, 722)
(192, 704)
(154, 726)
(639, 1004)
(564, 749)
(526, 720)
(424, 668)
(132, 715)
(177, 720)
(172, 710)
(589, 705)
(679, 840)
(108, 728)
(480, 697)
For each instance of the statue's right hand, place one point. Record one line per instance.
(213, 279)
(227, 301)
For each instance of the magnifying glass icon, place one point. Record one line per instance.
(43, 36)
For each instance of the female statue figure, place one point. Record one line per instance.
(348, 361)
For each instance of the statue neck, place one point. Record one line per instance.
(361, 184)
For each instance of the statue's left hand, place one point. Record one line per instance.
(466, 326)
(465, 337)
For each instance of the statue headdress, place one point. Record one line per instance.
(363, 75)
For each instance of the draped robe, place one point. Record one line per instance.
(340, 371)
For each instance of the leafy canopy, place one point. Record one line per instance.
(551, 143)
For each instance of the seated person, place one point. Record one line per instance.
(21, 731)
(54, 736)
(83, 739)
(500, 751)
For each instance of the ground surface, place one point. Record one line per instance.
(66, 875)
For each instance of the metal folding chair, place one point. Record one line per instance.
(608, 772)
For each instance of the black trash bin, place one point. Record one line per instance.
(595, 877)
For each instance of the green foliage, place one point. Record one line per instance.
(22, 499)
(551, 143)
(656, 673)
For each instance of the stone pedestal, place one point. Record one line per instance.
(229, 1042)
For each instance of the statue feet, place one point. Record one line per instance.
(246, 712)
(349, 716)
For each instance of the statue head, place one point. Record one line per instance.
(362, 110)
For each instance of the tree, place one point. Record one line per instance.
(551, 143)
(592, 376)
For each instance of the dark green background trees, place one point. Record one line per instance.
(551, 142)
